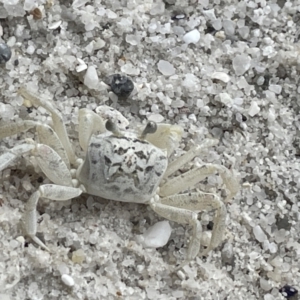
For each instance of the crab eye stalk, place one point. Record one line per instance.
(112, 127)
(151, 127)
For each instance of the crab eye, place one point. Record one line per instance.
(151, 127)
(112, 127)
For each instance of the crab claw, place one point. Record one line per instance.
(166, 137)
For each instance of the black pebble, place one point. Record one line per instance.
(121, 85)
(288, 291)
(5, 53)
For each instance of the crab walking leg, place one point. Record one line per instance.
(192, 177)
(187, 157)
(183, 209)
(52, 192)
(52, 165)
(58, 123)
(8, 157)
(45, 133)
(49, 137)
(89, 123)
(185, 217)
(14, 128)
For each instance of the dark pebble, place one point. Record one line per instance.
(288, 291)
(5, 53)
(121, 85)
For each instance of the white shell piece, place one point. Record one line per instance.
(67, 280)
(157, 235)
(55, 25)
(82, 65)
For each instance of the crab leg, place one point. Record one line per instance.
(192, 177)
(11, 129)
(58, 123)
(57, 171)
(45, 133)
(52, 165)
(89, 123)
(187, 157)
(183, 209)
(8, 157)
(50, 191)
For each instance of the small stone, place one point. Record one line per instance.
(220, 76)
(273, 247)
(5, 53)
(260, 80)
(99, 44)
(190, 81)
(130, 69)
(165, 68)
(121, 85)
(67, 14)
(276, 88)
(279, 235)
(192, 37)
(55, 25)
(178, 16)
(288, 291)
(229, 27)
(110, 14)
(178, 103)
(264, 284)
(157, 235)
(217, 25)
(91, 79)
(90, 47)
(254, 109)
(63, 268)
(158, 8)
(259, 234)
(13, 8)
(157, 118)
(30, 49)
(67, 280)
(36, 13)
(241, 64)
(78, 256)
(82, 65)
(79, 3)
(21, 240)
(226, 99)
(205, 238)
(210, 14)
(268, 51)
(199, 103)
(244, 32)
(133, 39)
(227, 254)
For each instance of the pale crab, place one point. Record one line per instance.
(120, 165)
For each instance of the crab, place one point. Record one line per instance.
(120, 165)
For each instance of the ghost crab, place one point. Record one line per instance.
(119, 165)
